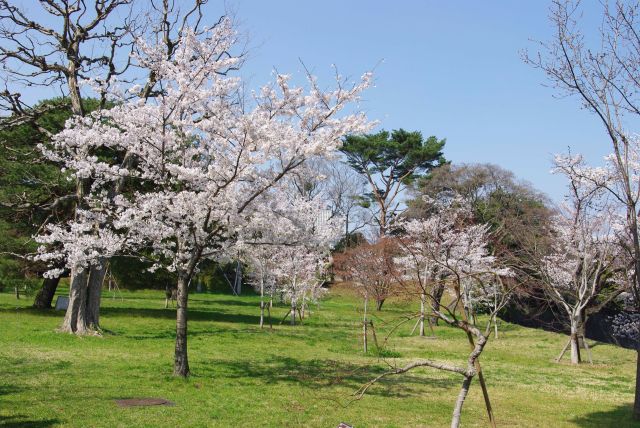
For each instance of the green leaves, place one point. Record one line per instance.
(401, 155)
(391, 161)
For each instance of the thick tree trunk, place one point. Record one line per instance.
(495, 326)
(83, 312)
(379, 304)
(45, 295)
(94, 294)
(457, 410)
(74, 90)
(74, 319)
(181, 364)
(582, 330)
(632, 216)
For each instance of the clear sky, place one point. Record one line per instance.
(447, 68)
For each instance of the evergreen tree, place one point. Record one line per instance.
(390, 161)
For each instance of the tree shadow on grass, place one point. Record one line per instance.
(15, 421)
(194, 315)
(254, 304)
(9, 389)
(620, 417)
(21, 421)
(322, 374)
(32, 311)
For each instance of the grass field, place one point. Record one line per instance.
(291, 376)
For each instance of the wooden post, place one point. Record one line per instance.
(563, 350)
(422, 309)
(586, 345)
(364, 326)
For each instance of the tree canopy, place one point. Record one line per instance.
(390, 161)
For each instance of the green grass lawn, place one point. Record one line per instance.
(289, 376)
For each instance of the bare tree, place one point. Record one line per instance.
(84, 43)
(345, 189)
(340, 185)
(604, 77)
(368, 268)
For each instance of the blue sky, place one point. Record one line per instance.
(447, 68)
(450, 69)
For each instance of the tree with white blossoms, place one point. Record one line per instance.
(201, 157)
(579, 272)
(289, 234)
(485, 293)
(261, 277)
(300, 275)
(446, 247)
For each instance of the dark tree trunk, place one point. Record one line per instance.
(575, 343)
(74, 90)
(379, 304)
(438, 291)
(44, 298)
(631, 214)
(181, 364)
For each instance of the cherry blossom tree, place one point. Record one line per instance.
(300, 276)
(69, 43)
(288, 244)
(579, 272)
(202, 158)
(602, 74)
(67, 46)
(446, 247)
(261, 277)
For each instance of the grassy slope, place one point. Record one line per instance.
(291, 376)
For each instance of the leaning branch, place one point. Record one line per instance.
(469, 372)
